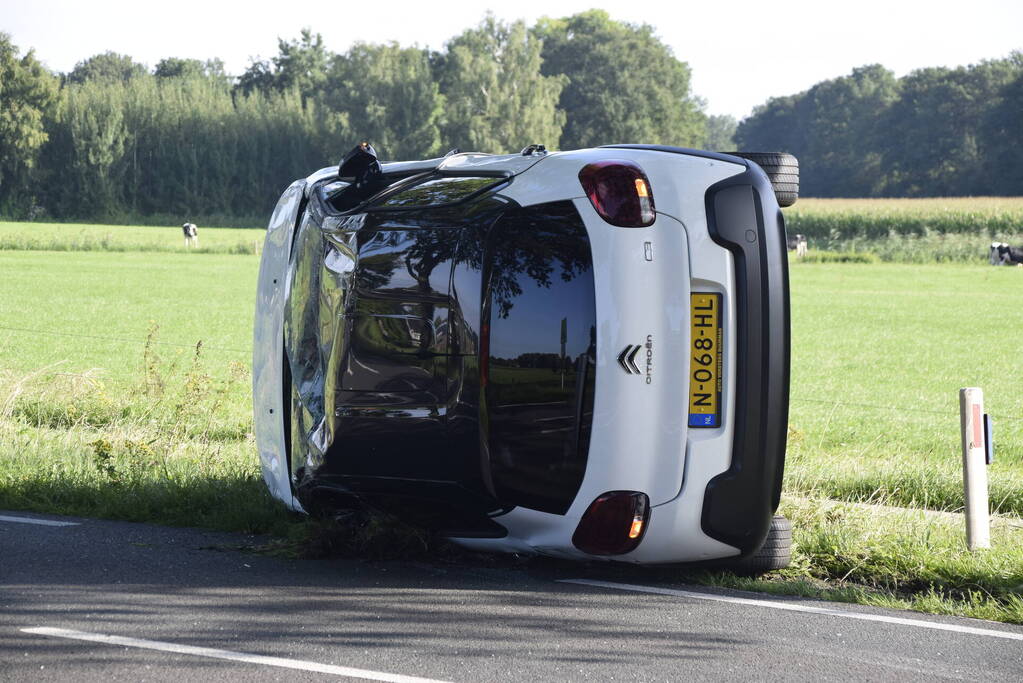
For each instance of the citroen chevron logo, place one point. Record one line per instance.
(627, 359)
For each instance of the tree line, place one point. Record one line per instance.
(934, 132)
(112, 140)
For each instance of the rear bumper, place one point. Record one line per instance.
(739, 503)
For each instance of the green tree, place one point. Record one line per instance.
(388, 95)
(178, 148)
(300, 64)
(109, 66)
(720, 133)
(89, 141)
(259, 77)
(497, 98)
(842, 118)
(773, 126)
(835, 129)
(624, 84)
(28, 93)
(175, 67)
(933, 134)
(1001, 138)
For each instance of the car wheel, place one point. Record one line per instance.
(781, 169)
(775, 553)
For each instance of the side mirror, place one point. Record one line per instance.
(361, 165)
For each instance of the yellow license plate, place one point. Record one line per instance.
(705, 360)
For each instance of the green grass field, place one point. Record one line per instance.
(879, 353)
(107, 410)
(94, 309)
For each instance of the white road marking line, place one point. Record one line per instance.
(775, 604)
(41, 522)
(227, 654)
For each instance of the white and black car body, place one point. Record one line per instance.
(467, 342)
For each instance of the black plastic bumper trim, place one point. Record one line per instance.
(743, 217)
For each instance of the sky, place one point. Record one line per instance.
(741, 52)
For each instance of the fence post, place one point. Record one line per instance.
(971, 415)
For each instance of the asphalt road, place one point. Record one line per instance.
(156, 603)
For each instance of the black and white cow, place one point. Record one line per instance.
(797, 243)
(1004, 255)
(191, 234)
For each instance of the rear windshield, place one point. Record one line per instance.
(425, 191)
(438, 192)
(541, 356)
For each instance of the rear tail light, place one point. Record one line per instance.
(619, 192)
(614, 523)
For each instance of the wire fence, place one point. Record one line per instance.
(952, 411)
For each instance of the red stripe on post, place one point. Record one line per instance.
(978, 426)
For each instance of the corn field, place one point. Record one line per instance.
(955, 229)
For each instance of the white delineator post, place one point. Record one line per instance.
(971, 413)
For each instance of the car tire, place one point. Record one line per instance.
(781, 169)
(775, 553)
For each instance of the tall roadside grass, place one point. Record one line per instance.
(118, 238)
(151, 220)
(941, 230)
(173, 445)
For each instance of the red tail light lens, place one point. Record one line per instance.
(614, 523)
(620, 192)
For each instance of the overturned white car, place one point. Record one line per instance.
(582, 354)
